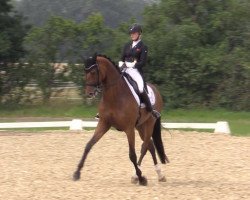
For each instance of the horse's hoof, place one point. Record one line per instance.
(76, 176)
(134, 179)
(162, 179)
(143, 181)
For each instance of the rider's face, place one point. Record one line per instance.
(134, 36)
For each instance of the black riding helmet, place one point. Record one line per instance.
(135, 28)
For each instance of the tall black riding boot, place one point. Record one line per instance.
(149, 108)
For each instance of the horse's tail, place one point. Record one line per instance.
(158, 142)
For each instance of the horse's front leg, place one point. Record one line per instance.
(100, 130)
(133, 157)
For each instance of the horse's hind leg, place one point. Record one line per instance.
(145, 132)
(151, 149)
(99, 132)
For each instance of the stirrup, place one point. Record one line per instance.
(97, 116)
(156, 114)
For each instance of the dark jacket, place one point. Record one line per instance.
(139, 53)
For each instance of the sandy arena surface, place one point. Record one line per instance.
(202, 166)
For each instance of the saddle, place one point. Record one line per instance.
(132, 82)
(135, 90)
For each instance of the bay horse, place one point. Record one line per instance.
(119, 109)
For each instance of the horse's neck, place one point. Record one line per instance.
(116, 89)
(112, 76)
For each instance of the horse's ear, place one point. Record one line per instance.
(90, 61)
(94, 56)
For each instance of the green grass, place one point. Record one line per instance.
(55, 110)
(239, 122)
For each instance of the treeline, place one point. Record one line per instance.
(198, 51)
(38, 12)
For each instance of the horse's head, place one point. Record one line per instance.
(92, 76)
(100, 72)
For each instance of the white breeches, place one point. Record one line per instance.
(136, 76)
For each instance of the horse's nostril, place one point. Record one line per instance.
(91, 94)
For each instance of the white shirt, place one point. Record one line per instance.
(135, 43)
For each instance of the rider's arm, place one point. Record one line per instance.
(143, 58)
(124, 52)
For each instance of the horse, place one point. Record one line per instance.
(119, 109)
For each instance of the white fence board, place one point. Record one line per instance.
(35, 124)
(190, 125)
(78, 124)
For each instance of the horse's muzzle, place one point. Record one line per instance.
(91, 92)
(91, 95)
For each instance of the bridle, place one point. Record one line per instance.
(89, 69)
(98, 85)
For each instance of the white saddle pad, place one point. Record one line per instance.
(151, 94)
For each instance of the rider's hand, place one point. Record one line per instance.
(120, 64)
(130, 64)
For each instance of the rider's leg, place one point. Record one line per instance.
(149, 108)
(135, 74)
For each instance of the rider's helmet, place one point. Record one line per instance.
(135, 28)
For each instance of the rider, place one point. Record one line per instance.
(134, 58)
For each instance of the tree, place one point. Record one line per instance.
(193, 51)
(12, 32)
(92, 36)
(63, 40)
(46, 46)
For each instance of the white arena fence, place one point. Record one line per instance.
(78, 124)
